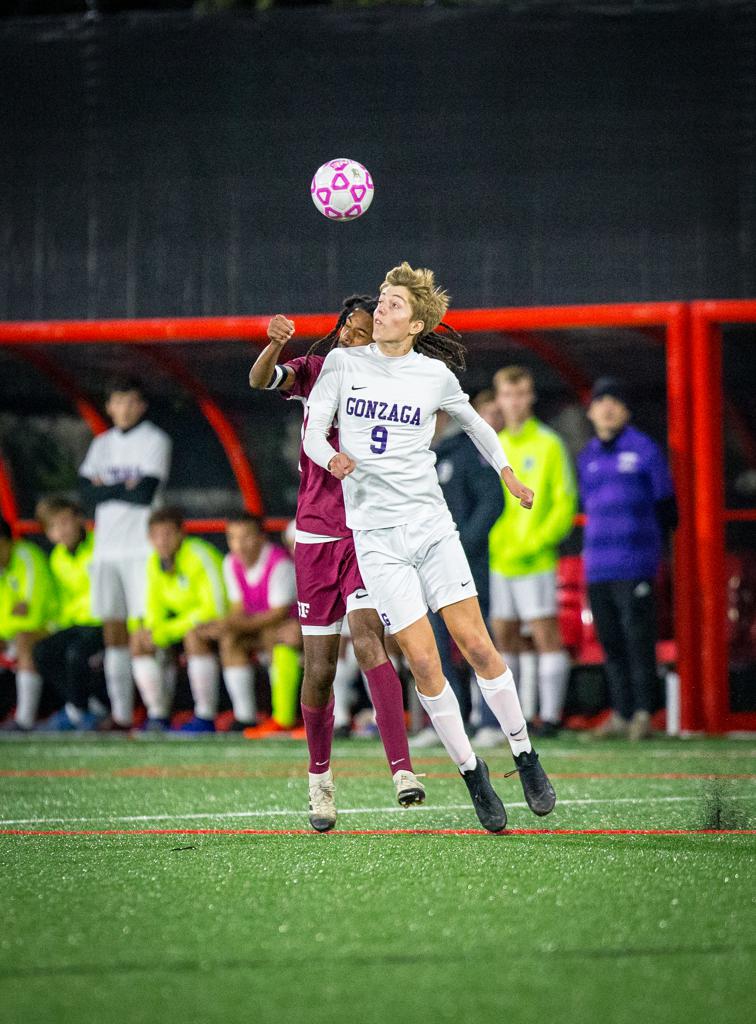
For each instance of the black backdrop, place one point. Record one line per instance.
(160, 164)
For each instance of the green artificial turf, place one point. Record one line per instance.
(374, 928)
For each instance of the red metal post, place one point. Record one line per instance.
(708, 454)
(679, 427)
(8, 506)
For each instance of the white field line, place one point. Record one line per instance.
(298, 812)
(357, 750)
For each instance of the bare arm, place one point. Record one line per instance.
(239, 621)
(261, 376)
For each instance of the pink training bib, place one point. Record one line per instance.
(255, 595)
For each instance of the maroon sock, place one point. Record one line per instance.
(387, 696)
(318, 723)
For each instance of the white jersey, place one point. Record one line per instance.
(282, 587)
(113, 458)
(386, 416)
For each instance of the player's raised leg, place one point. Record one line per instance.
(465, 623)
(437, 697)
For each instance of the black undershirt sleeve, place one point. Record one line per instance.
(92, 494)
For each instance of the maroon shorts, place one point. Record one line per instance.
(327, 574)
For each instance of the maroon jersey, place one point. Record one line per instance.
(320, 503)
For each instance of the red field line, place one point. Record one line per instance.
(380, 832)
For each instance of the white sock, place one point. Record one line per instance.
(28, 689)
(149, 680)
(240, 683)
(501, 696)
(202, 670)
(119, 684)
(75, 714)
(96, 707)
(446, 719)
(346, 670)
(512, 660)
(527, 683)
(553, 673)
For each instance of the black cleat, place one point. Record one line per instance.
(538, 791)
(488, 806)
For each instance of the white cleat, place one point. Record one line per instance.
(322, 802)
(409, 789)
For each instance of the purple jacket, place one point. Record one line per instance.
(620, 484)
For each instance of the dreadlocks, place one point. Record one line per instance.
(354, 302)
(448, 347)
(429, 303)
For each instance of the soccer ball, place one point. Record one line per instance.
(342, 189)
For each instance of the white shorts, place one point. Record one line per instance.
(118, 588)
(412, 567)
(523, 597)
(357, 601)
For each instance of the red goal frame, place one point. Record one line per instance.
(711, 514)
(702, 667)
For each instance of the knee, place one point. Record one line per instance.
(321, 670)
(194, 644)
(508, 635)
(319, 673)
(368, 650)
(476, 647)
(424, 665)
(547, 637)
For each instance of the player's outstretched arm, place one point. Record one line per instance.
(483, 436)
(265, 372)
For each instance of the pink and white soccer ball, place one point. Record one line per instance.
(342, 189)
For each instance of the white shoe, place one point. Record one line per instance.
(489, 737)
(427, 737)
(409, 789)
(640, 726)
(322, 802)
(612, 727)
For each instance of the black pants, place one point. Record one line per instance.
(63, 662)
(624, 613)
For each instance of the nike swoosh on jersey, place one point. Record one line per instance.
(363, 388)
(466, 582)
(359, 594)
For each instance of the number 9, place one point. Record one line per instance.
(380, 437)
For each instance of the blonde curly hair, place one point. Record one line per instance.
(429, 303)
